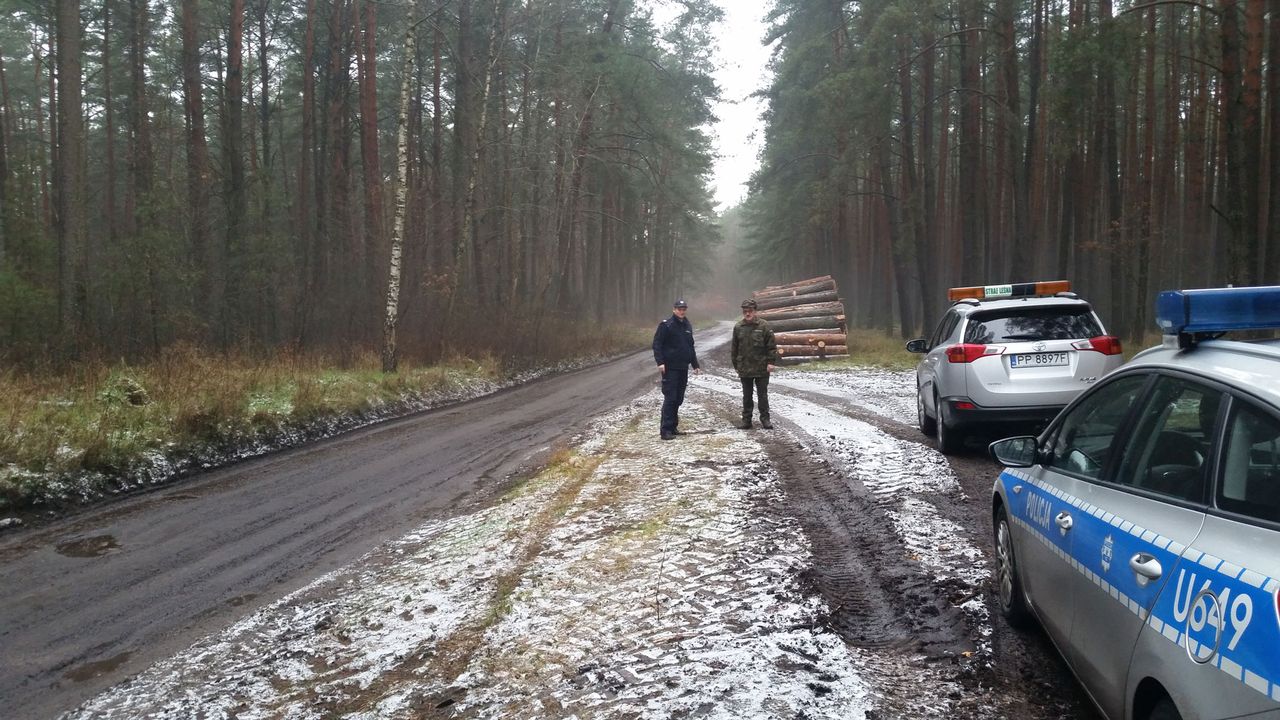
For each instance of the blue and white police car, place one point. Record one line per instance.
(1142, 527)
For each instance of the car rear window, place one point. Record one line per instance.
(1030, 324)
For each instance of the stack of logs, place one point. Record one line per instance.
(807, 318)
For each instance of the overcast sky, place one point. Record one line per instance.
(738, 134)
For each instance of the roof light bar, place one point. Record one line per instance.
(1014, 290)
(1218, 310)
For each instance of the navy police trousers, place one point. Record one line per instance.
(674, 383)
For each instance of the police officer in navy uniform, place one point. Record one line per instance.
(673, 352)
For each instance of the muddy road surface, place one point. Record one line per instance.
(89, 601)
(883, 589)
(835, 567)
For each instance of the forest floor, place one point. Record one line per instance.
(837, 566)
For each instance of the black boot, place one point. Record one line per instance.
(764, 423)
(746, 423)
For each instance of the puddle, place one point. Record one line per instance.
(89, 671)
(95, 546)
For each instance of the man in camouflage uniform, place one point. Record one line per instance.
(755, 353)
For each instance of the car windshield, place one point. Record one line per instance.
(1028, 324)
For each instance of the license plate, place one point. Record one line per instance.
(1048, 359)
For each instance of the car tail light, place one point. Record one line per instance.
(1105, 344)
(964, 405)
(968, 352)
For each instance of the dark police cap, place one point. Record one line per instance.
(680, 304)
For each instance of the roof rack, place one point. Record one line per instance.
(1060, 288)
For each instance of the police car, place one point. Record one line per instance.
(1142, 527)
(1008, 355)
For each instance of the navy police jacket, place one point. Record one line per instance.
(673, 344)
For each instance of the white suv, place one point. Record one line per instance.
(1008, 357)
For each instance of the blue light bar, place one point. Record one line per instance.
(1218, 310)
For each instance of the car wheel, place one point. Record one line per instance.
(928, 425)
(950, 440)
(1164, 710)
(1013, 604)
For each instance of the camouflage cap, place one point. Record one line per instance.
(749, 303)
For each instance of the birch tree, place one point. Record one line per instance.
(389, 320)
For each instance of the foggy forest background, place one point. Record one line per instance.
(260, 174)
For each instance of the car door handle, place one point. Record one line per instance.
(1146, 567)
(1063, 520)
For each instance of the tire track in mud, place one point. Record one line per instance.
(861, 567)
(917, 643)
(1015, 674)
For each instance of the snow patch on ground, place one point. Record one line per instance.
(889, 393)
(666, 592)
(659, 580)
(907, 479)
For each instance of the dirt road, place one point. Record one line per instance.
(835, 567)
(87, 602)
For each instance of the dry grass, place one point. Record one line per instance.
(110, 419)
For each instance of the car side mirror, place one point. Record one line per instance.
(919, 345)
(1016, 452)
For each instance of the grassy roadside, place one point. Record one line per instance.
(72, 437)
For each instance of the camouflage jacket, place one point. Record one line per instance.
(753, 348)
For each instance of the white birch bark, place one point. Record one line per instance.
(402, 194)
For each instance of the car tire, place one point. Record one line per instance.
(1164, 709)
(950, 440)
(1009, 593)
(928, 425)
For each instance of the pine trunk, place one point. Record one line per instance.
(370, 162)
(109, 126)
(1271, 248)
(70, 186)
(198, 174)
(1238, 243)
(466, 262)
(1251, 134)
(264, 113)
(141, 169)
(913, 218)
(971, 239)
(234, 154)
(306, 216)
